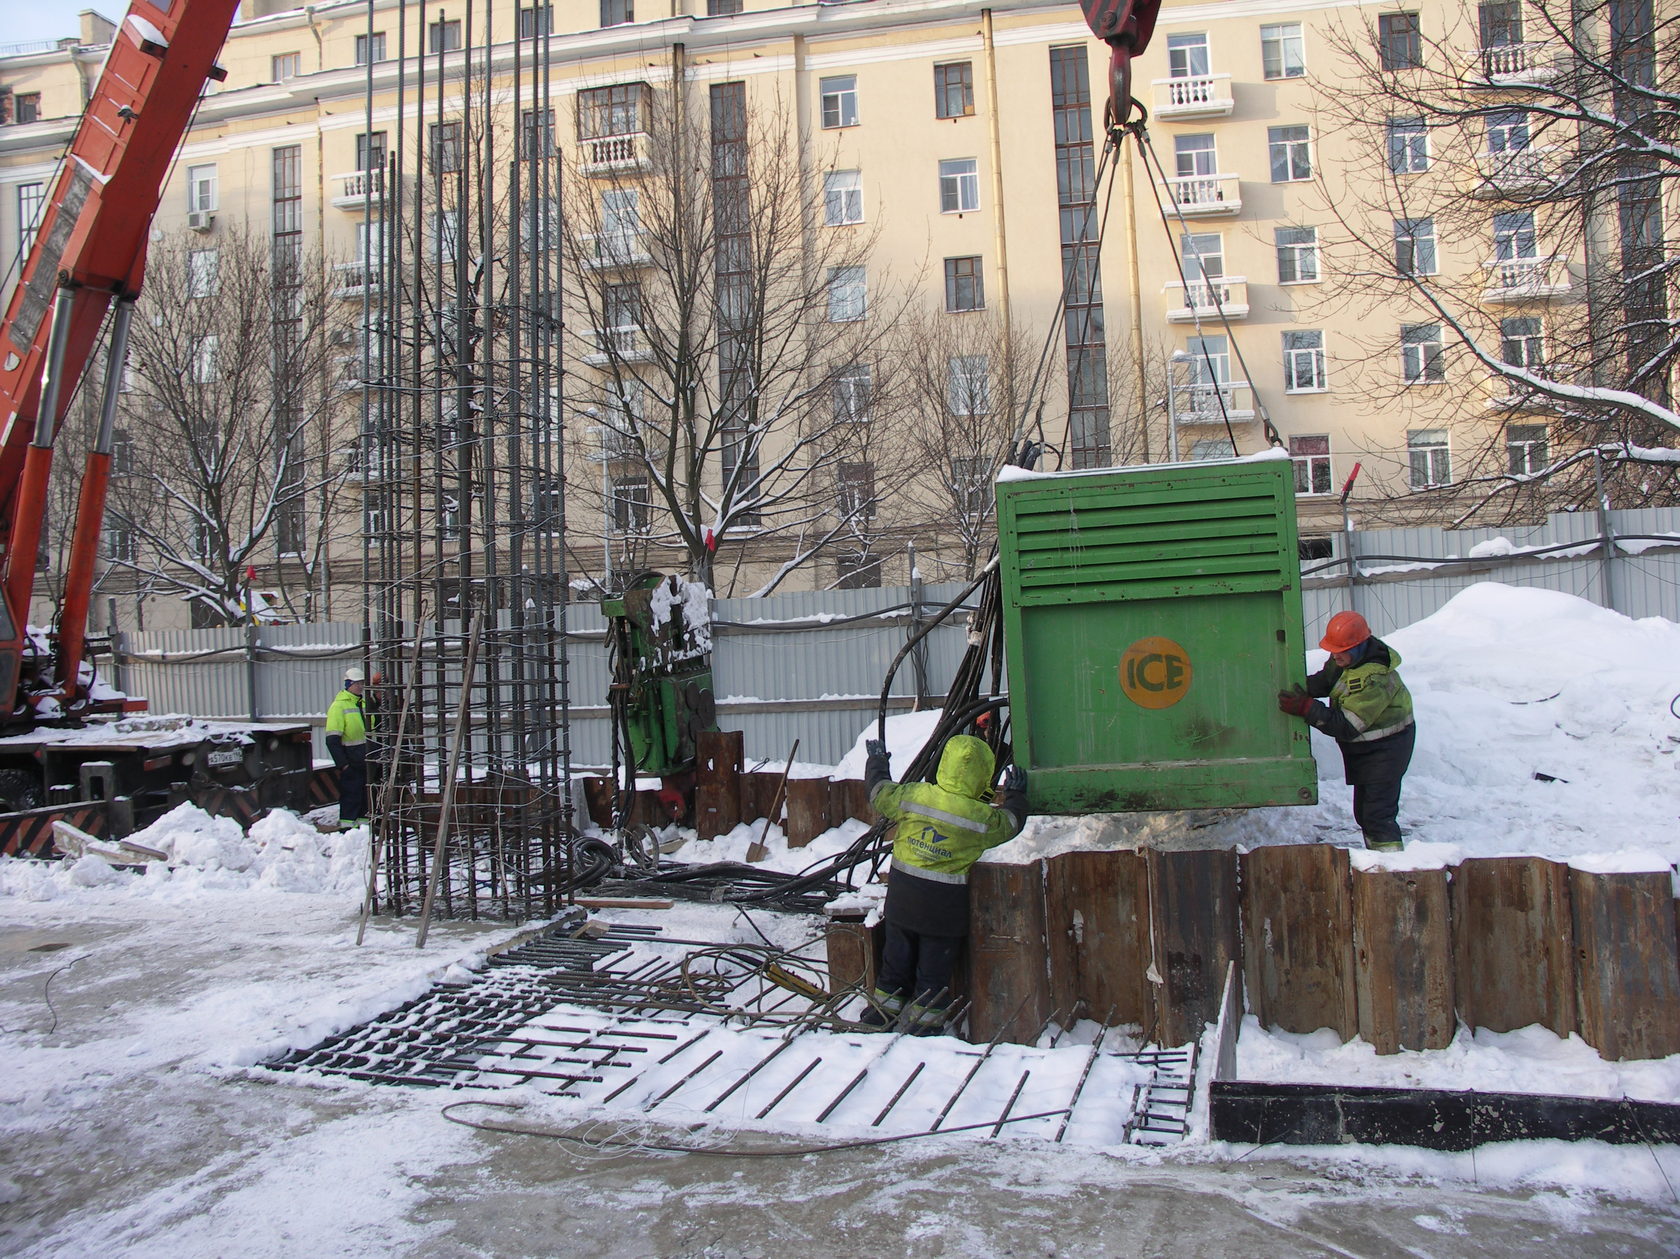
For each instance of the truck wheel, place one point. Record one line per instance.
(20, 789)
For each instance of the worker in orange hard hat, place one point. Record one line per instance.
(1369, 714)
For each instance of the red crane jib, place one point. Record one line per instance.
(91, 244)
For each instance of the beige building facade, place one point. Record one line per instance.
(1220, 293)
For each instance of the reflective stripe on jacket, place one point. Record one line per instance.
(346, 720)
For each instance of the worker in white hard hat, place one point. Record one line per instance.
(347, 736)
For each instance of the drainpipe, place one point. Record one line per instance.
(992, 112)
(1606, 530)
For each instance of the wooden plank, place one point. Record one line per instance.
(1513, 944)
(1096, 917)
(807, 810)
(1627, 963)
(1403, 959)
(1009, 988)
(1193, 912)
(1298, 930)
(853, 952)
(717, 791)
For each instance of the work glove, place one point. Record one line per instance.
(1295, 701)
(1014, 779)
(874, 748)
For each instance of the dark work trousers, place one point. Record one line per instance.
(1375, 770)
(918, 967)
(352, 786)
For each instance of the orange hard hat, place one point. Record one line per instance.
(1345, 632)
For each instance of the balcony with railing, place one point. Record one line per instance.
(353, 279)
(607, 250)
(1205, 195)
(1514, 172)
(1206, 298)
(622, 345)
(1526, 279)
(614, 155)
(1193, 96)
(354, 190)
(1197, 403)
(1514, 65)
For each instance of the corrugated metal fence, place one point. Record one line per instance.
(810, 665)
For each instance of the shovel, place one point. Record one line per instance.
(758, 852)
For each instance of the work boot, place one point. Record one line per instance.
(882, 1011)
(1384, 845)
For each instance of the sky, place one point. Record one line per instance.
(24, 21)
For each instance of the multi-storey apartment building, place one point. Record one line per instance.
(1250, 278)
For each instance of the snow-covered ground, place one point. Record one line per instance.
(133, 1008)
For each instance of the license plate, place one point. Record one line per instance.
(225, 756)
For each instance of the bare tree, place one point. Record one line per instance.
(1536, 143)
(225, 465)
(725, 312)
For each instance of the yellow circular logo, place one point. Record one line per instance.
(1155, 672)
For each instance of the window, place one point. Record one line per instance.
(1507, 131)
(1414, 246)
(370, 150)
(536, 133)
(1297, 254)
(964, 285)
(30, 199)
(1212, 448)
(959, 185)
(857, 570)
(851, 392)
(1521, 343)
(1204, 261)
(535, 21)
(206, 369)
(443, 36)
(1311, 456)
(968, 384)
(842, 197)
(204, 272)
(1431, 462)
(839, 100)
(446, 147)
(26, 107)
(722, 8)
(1303, 361)
(971, 484)
(122, 542)
(370, 243)
(1291, 153)
(370, 48)
(1195, 155)
(621, 224)
(286, 218)
(632, 504)
(1315, 548)
(1500, 22)
(1187, 55)
(1399, 41)
(1513, 235)
(621, 307)
(617, 12)
(953, 90)
(1525, 449)
(1408, 146)
(548, 499)
(1210, 360)
(444, 238)
(847, 295)
(610, 111)
(122, 448)
(201, 187)
(1282, 51)
(285, 65)
(854, 490)
(1422, 358)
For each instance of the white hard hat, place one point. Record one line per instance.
(353, 674)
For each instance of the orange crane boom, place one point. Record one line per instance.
(90, 249)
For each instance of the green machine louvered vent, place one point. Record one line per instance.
(1151, 615)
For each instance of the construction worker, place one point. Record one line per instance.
(1370, 717)
(943, 828)
(347, 733)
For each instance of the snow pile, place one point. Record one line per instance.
(206, 854)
